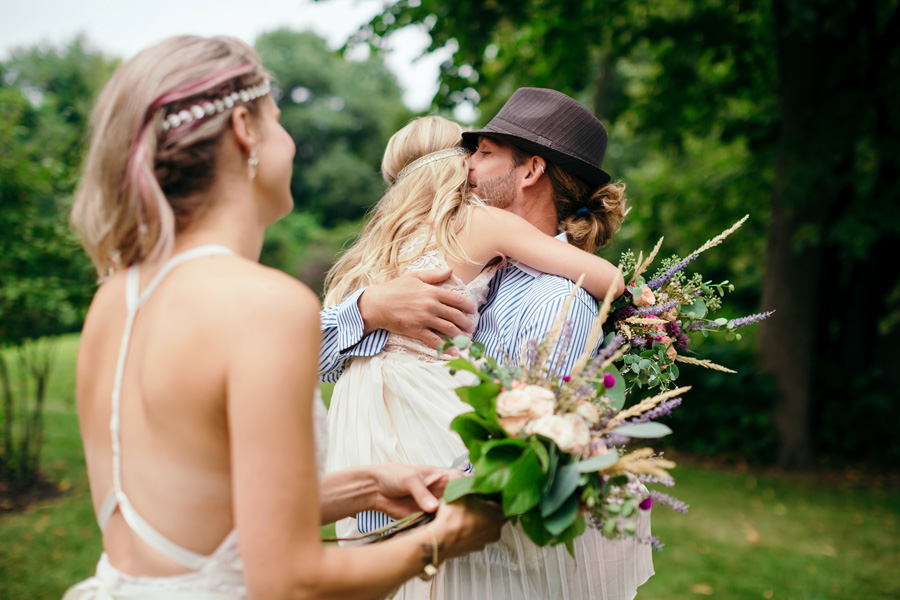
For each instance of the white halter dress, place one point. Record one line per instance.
(397, 406)
(217, 576)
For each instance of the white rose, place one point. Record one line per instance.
(513, 425)
(513, 403)
(555, 428)
(581, 433)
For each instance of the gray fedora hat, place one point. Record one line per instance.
(553, 126)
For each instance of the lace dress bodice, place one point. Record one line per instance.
(476, 290)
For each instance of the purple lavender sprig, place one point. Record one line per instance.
(653, 541)
(661, 410)
(667, 500)
(594, 366)
(646, 478)
(749, 319)
(657, 283)
(657, 309)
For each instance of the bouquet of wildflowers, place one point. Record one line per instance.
(553, 450)
(656, 316)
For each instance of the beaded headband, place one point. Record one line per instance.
(430, 158)
(208, 108)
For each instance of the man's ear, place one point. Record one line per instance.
(535, 171)
(244, 127)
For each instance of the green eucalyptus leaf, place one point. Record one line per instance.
(643, 430)
(616, 394)
(696, 310)
(596, 463)
(720, 321)
(461, 342)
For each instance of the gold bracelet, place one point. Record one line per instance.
(431, 569)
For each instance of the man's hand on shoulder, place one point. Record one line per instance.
(413, 306)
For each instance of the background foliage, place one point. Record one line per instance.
(716, 108)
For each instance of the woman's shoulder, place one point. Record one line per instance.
(249, 290)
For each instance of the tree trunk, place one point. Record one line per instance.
(801, 203)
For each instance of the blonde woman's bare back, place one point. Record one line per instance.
(175, 465)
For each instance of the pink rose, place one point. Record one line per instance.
(513, 425)
(673, 312)
(646, 298)
(589, 411)
(671, 352)
(597, 448)
(555, 428)
(513, 403)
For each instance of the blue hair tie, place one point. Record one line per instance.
(582, 211)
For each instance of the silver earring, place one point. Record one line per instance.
(253, 161)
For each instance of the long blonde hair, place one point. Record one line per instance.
(141, 184)
(429, 200)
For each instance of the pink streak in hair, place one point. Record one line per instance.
(199, 86)
(136, 174)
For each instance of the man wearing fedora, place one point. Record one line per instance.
(541, 158)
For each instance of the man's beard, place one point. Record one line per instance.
(499, 192)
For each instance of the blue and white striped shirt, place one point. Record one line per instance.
(522, 304)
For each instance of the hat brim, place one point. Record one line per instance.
(581, 169)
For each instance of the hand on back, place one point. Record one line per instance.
(413, 306)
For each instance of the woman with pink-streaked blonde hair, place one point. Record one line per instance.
(196, 376)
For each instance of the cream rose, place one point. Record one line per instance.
(589, 412)
(513, 425)
(543, 401)
(646, 298)
(513, 403)
(581, 433)
(555, 428)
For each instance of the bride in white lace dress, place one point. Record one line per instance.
(203, 434)
(397, 406)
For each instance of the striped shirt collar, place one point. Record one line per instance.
(534, 272)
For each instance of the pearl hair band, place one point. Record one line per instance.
(208, 108)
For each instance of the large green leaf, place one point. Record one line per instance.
(523, 490)
(461, 364)
(643, 430)
(533, 526)
(458, 488)
(481, 397)
(494, 467)
(475, 431)
(564, 484)
(560, 520)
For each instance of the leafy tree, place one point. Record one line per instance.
(795, 99)
(340, 114)
(45, 279)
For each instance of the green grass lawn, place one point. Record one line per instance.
(749, 533)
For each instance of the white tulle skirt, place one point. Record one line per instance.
(395, 408)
